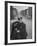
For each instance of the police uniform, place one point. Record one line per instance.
(18, 31)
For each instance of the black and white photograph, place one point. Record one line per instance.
(20, 22)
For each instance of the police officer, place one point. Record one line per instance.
(18, 30)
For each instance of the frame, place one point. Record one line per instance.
(10, 3)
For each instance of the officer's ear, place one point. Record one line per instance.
(20, 17)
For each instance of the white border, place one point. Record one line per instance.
(33, 13)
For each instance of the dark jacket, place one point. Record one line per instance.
(22, 34)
